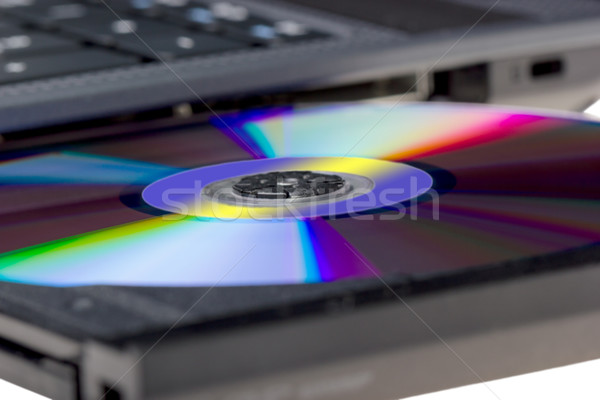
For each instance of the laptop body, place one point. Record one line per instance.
(55, 343)
(67, 62)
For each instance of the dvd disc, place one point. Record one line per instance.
(325, 193)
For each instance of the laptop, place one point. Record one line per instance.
(101, 100)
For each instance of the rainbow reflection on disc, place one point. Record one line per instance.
(383, 183)
(522, 185)
(158, 252)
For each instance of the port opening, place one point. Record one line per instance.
(469, 83)
(110, 393)
(546, 68)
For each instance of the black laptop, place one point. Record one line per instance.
(102, 102)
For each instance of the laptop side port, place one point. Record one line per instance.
(565, 80)
(465, 84)
(546, 68)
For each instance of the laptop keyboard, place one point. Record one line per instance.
(45, 38)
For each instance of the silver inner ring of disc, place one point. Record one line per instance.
(223, 192)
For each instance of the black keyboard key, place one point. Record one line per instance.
(134, 6)
(292, 31)
(25, 43)
(44, 12)
(104, 27)
(53, 14)
(232, 20)
(256, 30)
(169, 3)
(42, 66)
(7, 28)
(196, 16)
(123, 4)
(238, 21)
(230, 12)
(25, 4)
(223, 17)
(181, 45)
(109, 24)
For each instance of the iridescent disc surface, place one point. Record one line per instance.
(494, 185)
(388, 183)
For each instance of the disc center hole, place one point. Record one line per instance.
(288, 185)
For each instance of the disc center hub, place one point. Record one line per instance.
(288, 185)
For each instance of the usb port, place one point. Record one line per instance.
(546, 68)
